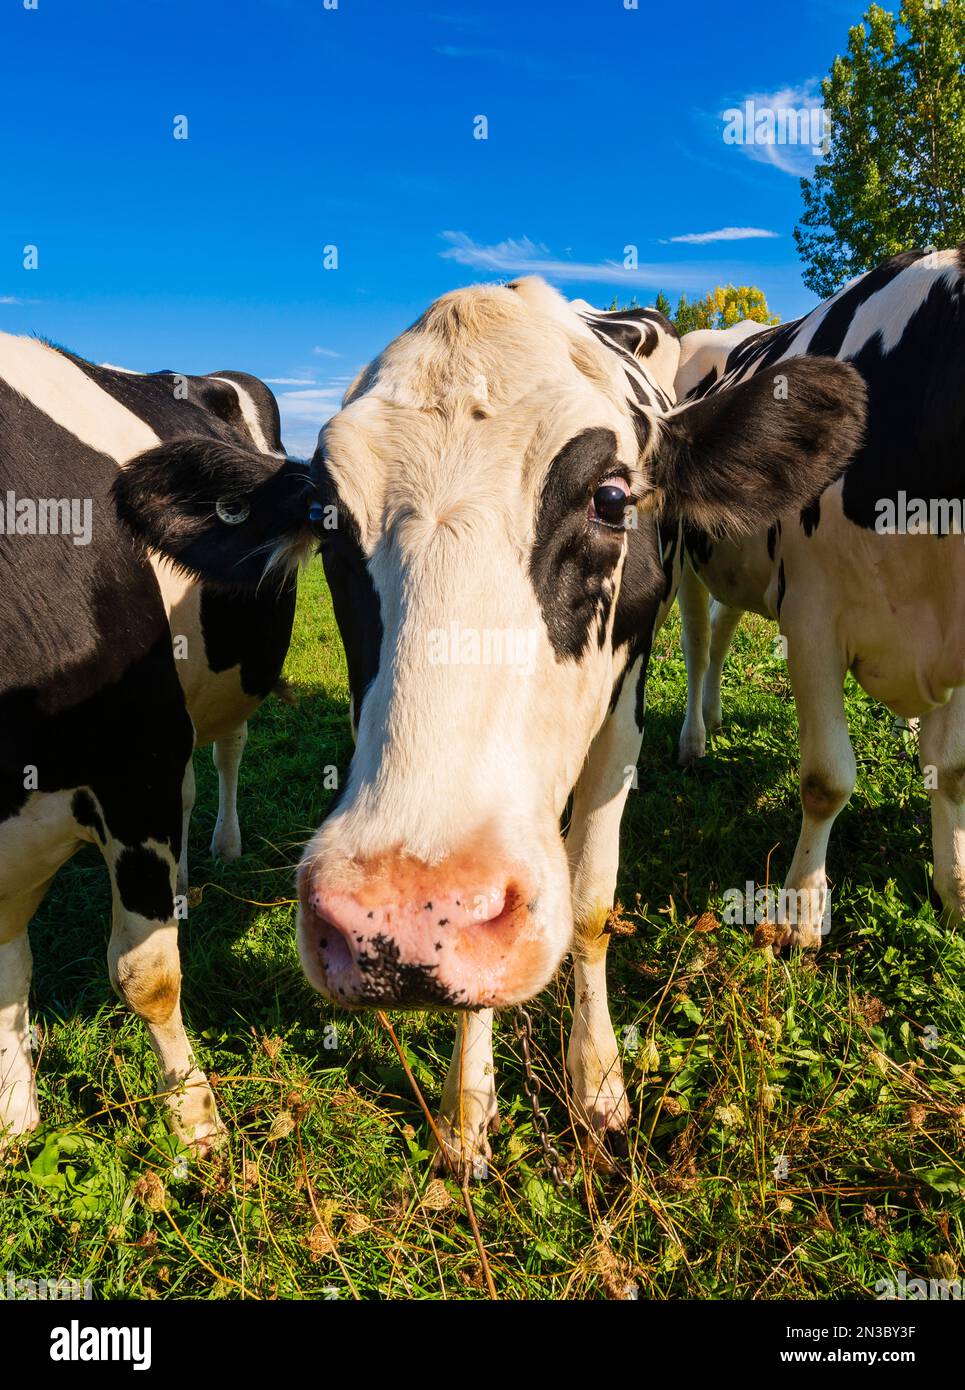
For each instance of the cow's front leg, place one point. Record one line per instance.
(942, 754)
(469, 1113)
(145, 970)
(19, 1113)
(828, 771)
(226, 840)
(593, 847)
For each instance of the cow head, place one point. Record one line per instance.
(480, 478)
(473, 499)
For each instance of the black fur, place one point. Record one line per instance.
(730, 462)
(168, 497)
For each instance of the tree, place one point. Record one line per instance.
(893, 170)
(722, 308)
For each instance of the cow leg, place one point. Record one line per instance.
(694, 601)
(226, 841)
(593, 848)
(942, 754)
(18, 1090)
(145, 971)
(723, 625)
(187, 806)
(828, 772)
(468, 1112)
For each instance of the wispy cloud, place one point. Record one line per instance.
(764, 141)
(722, 234)
(10, 299)
(325, 352)
(304, 411)
(289, 381)
(521, 256)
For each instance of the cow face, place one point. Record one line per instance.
(480, 475)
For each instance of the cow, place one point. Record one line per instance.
(115, 663)
(853, 585)
(509, 479)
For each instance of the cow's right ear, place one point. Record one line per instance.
(734, 460)
(226, 515)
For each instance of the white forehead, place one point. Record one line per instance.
(491, 380)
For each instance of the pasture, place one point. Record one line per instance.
(798, 1123)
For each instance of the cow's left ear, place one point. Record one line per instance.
(733, 461)
(225, 515)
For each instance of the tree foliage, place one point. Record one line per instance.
(721, 308)
(893, 172)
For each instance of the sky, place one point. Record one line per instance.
(310, 127)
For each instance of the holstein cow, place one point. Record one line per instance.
(869, 578)
(97, 716)
(497, 612)
(497, 609)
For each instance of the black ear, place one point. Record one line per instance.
(226, 515)
(734, 460)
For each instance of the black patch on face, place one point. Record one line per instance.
(354, 600)
(642, 588)
(772, 534)
(86, 813)
(572, 557)
(144, 884)
(781, 587)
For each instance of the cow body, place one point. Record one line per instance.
(848, 593)
(98, 719)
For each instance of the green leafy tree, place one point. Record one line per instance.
(721, 308)
(893, 172)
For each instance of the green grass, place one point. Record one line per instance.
(733, 1058)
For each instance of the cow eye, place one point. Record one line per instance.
(232, 513)
(609, 504)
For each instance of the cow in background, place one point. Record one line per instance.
(98, 718)
(869, 576)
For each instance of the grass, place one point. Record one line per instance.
(798, 1123)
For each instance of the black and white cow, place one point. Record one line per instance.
(497, 593)
(848, 593)
(114, 664)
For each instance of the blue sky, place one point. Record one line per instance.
(353, 127)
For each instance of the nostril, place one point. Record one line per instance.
(333, 944)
